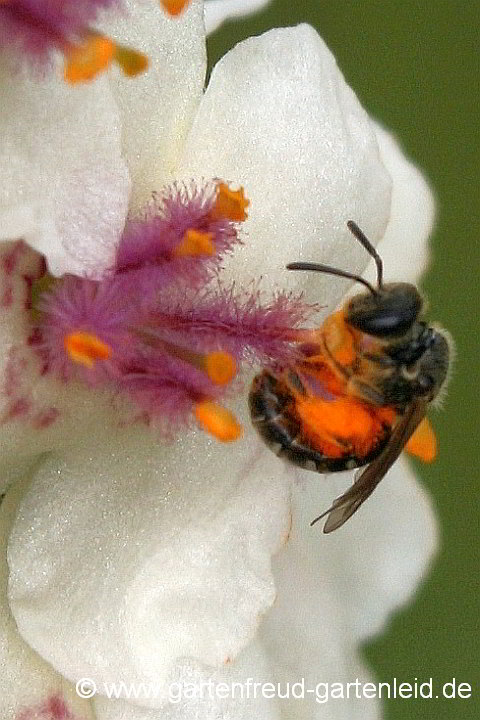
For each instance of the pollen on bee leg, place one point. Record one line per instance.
(230, 204)
(85, 348)
(195, 242)
(423, 443)
(218, 421)
(83, 62)
(174, 7)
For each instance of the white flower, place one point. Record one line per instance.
(138, 562)
(218, 11)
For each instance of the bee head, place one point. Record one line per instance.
(388, 311)
(384, 311)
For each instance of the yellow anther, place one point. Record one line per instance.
(220, 367)
(85, 348)
(230, 204)
(218, 421)
(83, 62)
(131, 61)
(174, 7)
(195, 242)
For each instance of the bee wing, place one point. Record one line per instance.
(347, 504)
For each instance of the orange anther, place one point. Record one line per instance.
(85, 348)
(195, 242)
(83, 62)
(131, 61)
(423, 443)
(218, 421)
(220, 367)
(174, 7)
(230, 204)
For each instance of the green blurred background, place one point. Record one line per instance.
(415, 66)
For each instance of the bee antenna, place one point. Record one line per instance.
(363, 240)
(317, 267)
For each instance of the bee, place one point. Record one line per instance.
(360, 390)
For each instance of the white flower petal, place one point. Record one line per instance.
(64, 186)
(38, 413)
(278, 118)
(375, 561)
(300, 671)
(217, 11)
(404, 247)
(26, 679)
(211, 699)
(175, 545)
(329, 599)
(157, 107)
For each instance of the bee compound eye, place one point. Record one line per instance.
(391, 312)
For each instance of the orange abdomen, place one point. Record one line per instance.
(344, 426)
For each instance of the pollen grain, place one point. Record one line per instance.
(85, 348)
(83, 62)
(195, 243)
(220, 367)
(230, 204)
(131, 61)
(218, 421)
(174, 7)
